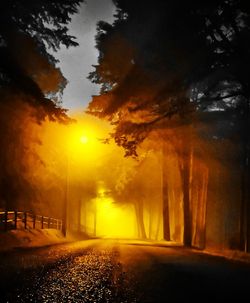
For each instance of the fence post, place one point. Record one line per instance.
(42, 222)
(15, 219)
(34, 221)
(6, 220)
(25, 219)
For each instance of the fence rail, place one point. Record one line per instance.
(21, 219)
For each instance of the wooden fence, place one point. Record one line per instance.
(20, 219)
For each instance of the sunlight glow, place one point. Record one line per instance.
(114, 220)
(110, 219)
(82, 144)
(93, 174)
(84, 139)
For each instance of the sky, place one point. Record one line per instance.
(76, 62)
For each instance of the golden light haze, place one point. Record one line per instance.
(95, 176)
(109, 195)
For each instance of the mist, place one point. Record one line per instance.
(112, 196)
(172, 136)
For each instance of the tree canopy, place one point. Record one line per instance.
(27, 30)
(30, 87)
(162, 61)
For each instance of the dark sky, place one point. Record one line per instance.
(75, 63)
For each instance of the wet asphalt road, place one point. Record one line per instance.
(119, 272)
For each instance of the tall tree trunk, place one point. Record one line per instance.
(95, 218)
(140, 221)
(185, 172)
(150, 221)
(84, 216)
(187, 238)
(245, 181)
(65, 206)
(158, 224)
(79, 206)
(165, 196)
(201, 205)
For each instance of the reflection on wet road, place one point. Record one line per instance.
(119, 272)
(85, 278)
(86, 271)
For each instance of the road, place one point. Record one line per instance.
(119, 272)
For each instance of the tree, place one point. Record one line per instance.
(147, 76)
(162, 64)
(27, 30)
(30, 85)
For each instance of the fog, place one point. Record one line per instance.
(59, 167)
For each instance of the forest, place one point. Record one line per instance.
(178, 73)
(168, 151)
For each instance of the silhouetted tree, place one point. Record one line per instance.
(30, 85)
(161, 62)
(27, 30)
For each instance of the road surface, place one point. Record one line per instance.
(119, 272)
